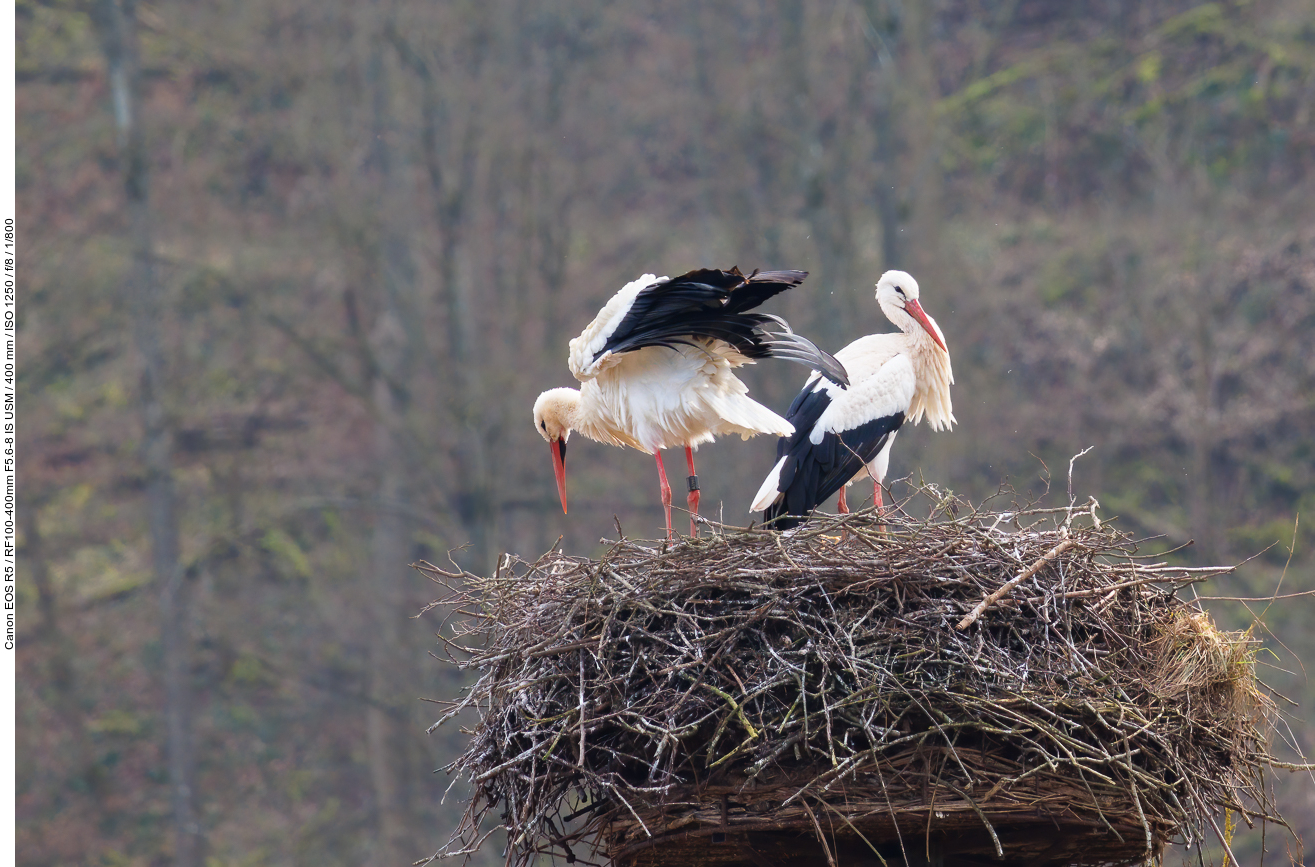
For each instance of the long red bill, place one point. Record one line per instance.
(559, 468)
(924, 320)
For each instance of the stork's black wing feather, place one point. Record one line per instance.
(714, 304)
(814, 471)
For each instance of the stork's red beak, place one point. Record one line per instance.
(559, 468)
(924, 320)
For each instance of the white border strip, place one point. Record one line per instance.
(8, 435)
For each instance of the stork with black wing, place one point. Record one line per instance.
(656, 368)
(843, 434)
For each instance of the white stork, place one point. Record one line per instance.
(656, 369)
(843, 434)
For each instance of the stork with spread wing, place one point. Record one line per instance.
(656, 368)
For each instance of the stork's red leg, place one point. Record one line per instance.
(666, 492)
(693, 499)
(876, 495)
(843, 508)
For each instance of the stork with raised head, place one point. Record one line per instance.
(657, 364)
(844, 433)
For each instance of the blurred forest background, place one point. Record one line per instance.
(296, 270)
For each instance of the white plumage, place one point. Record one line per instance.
(843, 434)
(589, 345)
(656, 368)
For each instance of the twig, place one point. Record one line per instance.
(1014, 582)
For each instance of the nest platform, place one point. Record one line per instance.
(998, 687)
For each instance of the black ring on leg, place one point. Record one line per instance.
(693, 483)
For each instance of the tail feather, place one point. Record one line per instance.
(743, 415)
(770, 491)
(777, 517)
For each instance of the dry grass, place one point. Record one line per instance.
(749, 686)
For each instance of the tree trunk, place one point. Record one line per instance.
(819, 158)
(450, 189)
(394, 345)
(1202, 512)
(887, 191)
(921, 95)
(385, 737)
(116, 21)
(877, 24)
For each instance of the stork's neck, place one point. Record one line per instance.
(932, 370)
(586, 411)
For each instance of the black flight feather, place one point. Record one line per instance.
(814, 471)
(713, 304)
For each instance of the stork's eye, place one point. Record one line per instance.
(900, 290)
(543, 425)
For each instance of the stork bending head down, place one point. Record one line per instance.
(844, 433)
(656, 368)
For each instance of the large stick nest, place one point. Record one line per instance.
(723, 698)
